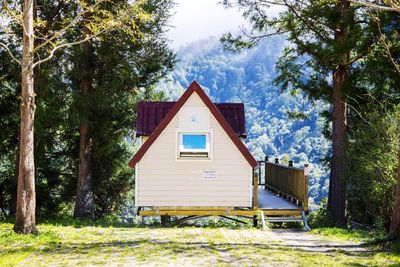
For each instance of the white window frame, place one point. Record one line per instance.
(179, 146)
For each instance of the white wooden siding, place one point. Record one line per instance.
(162, 180)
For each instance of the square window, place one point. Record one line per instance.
(194, 145)
(194, 141)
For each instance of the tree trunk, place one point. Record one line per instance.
(339, 121)
(26, 195)
(395, 220)
(337, 201)
(84, 205)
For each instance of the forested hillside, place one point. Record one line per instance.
(279, 124)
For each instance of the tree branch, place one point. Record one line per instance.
(305, 21)
(309, 51)
(386, 45)
(10, 53)
(61, 32)
(392, 6)
(12, 15)
(51, 54)
(364, 52)
(389, 53)
(254, 39)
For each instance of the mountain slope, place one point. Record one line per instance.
(248, 77)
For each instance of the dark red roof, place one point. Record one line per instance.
(150, 114)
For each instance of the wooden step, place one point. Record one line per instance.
(284, 219)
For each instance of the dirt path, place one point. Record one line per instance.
(306, 241)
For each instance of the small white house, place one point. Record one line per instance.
(190, 156)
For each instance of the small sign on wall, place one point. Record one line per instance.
(210, 174)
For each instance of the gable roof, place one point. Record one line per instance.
(194, 87)
(150, 114)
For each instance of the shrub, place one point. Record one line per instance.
(321, 217)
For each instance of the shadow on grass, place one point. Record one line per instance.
(167, 247)
(147, 249)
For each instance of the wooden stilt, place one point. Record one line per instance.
(306, 227)
(264, 225)
(165, 219)
(255, 221)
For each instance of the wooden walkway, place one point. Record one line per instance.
(270, 201)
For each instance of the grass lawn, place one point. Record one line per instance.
(58, 245)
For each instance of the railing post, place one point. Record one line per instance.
(265, 172)
(305, 200)
(255, 190)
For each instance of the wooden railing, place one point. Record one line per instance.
(288, 181)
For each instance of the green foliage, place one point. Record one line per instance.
(57, 25)
(9, 126)
(372, 166)
(129, 60)
(373, 136)
(55, 139)
(221, 222)
(110, 106)
(320, 217)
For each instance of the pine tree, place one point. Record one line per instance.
(327, 38)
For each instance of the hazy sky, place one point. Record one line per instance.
(199, 19)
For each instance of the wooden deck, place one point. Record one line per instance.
(270, 201)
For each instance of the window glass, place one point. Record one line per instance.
(194, 141)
